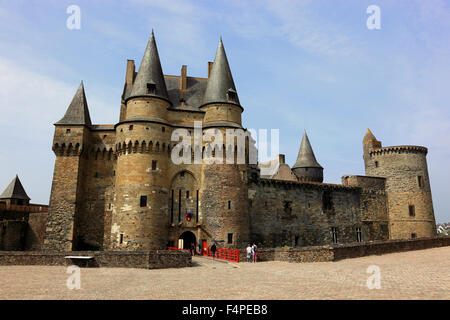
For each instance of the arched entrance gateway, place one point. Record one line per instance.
(187, 239)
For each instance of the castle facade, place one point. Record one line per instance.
(115, 186)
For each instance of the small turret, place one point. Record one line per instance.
(369, 143)
(306, 168)
(15, 193)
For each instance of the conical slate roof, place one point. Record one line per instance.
(15, 190)
(150, 72)
(78, 111)
(220, 80)
(306, 158)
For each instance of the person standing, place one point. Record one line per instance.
(254, 254)
(200, 248)
(192, 249)
(213, 250)
(249, 253)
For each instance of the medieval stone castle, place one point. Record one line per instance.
(115, 186)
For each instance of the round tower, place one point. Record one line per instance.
(140, 214)
(410, 204)
(223, 192)
(306, 168)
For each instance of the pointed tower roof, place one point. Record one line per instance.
(220, 81)
(150, 73)
(306, 158)
(15, 190)
(369, 136)
(78, 111)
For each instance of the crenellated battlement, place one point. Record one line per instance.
(399, 149)
(123, 148)
(68, 149)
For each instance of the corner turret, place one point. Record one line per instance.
(306, 168)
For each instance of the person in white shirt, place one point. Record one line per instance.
(249, 253)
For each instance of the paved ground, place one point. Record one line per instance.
(420, 274)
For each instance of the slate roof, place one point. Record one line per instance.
(78, 112)
(220, 80)
(15, 190)
(150, 71)
(306, 157)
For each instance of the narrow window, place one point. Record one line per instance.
(413, 235)
(121, 239)
(96, 175)
(153, 164)
(67, 130)
(358, 234)
(376, 164)
(130, 127)
(327, 203)
(334, 234)
(143, 202)
(230, 238)
(182, 174)
(109, 206)
(163, 129)
(229, 204)
(250, 203)
(420, 181)
(187, 194)
(114, 172)
(412, 211)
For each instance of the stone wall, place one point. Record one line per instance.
(12, 234)
(35, 233)
(293, 213)
(345, 251)
(157, 259)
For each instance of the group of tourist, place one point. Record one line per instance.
(251, 253)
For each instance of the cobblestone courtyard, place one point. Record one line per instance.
(420, 274)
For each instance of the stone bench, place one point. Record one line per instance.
(78, 259)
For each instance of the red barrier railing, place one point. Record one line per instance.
(225, 254)
(173, 248)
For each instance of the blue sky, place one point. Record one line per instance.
(297, 65)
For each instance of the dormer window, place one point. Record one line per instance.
(151, 88)
(232, 95)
